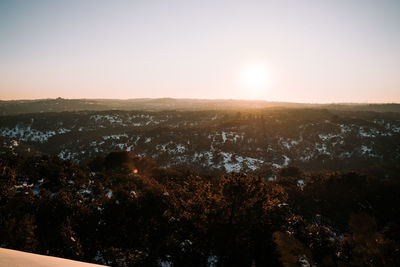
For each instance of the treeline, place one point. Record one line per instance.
(123, 210)
(13, 107)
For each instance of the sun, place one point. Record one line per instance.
(255, 77)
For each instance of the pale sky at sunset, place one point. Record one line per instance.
(298, 51)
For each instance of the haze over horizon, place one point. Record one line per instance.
(289, 51)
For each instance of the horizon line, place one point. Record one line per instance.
(205, 99)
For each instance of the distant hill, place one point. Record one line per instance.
(14, 107)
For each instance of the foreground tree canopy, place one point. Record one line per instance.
(122, 210)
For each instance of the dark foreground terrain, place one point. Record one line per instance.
(123, 210)
(245, 187)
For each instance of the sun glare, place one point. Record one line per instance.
(255, 77)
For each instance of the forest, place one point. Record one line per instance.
(177, 184)
(123, 210)
(242, 140)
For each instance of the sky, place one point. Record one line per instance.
(296, 51)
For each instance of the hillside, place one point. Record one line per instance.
(219, 140)
(243, 187)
